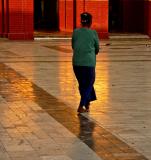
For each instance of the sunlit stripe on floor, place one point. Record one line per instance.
(60, 48)
(52, 38)
(16, 87)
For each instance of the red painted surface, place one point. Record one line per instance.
(5, 18)
(18, 24)
(4, 15)
(146, 7)
(66, 15)
(80, 7)
(69, 15)
(28, 19)
(1, 21)
(133, 16)
(149, 18)
(99, 11)
(62, 18)
(20, 19)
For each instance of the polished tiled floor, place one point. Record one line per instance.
(39, 97)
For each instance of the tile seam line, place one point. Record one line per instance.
(47, 95)
(104, 61)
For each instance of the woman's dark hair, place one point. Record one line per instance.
(86, 19)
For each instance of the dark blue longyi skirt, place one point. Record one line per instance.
(86, 78)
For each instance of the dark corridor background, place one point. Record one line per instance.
(126, 16)
(45, 15)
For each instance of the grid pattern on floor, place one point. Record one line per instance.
(106, 145)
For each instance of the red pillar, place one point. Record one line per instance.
(20, 19)
(80, 7)
(29, 19)
(69, 15)
(1, 18)
(146, 11)
(99, 10)
(62, 18)
(5, 19)
(147, 15)
(149, 18)
(66, 15)
(133, 16)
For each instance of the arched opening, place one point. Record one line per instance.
(46, 15)
(126, 16)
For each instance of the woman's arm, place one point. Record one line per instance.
(96, 43)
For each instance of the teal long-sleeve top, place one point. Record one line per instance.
(85, 45)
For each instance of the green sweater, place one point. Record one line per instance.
(85, 45)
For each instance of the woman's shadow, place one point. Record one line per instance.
(86, 129)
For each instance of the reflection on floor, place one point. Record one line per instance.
(39, 97)
(51, 34)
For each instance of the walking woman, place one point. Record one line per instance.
(85, 45)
